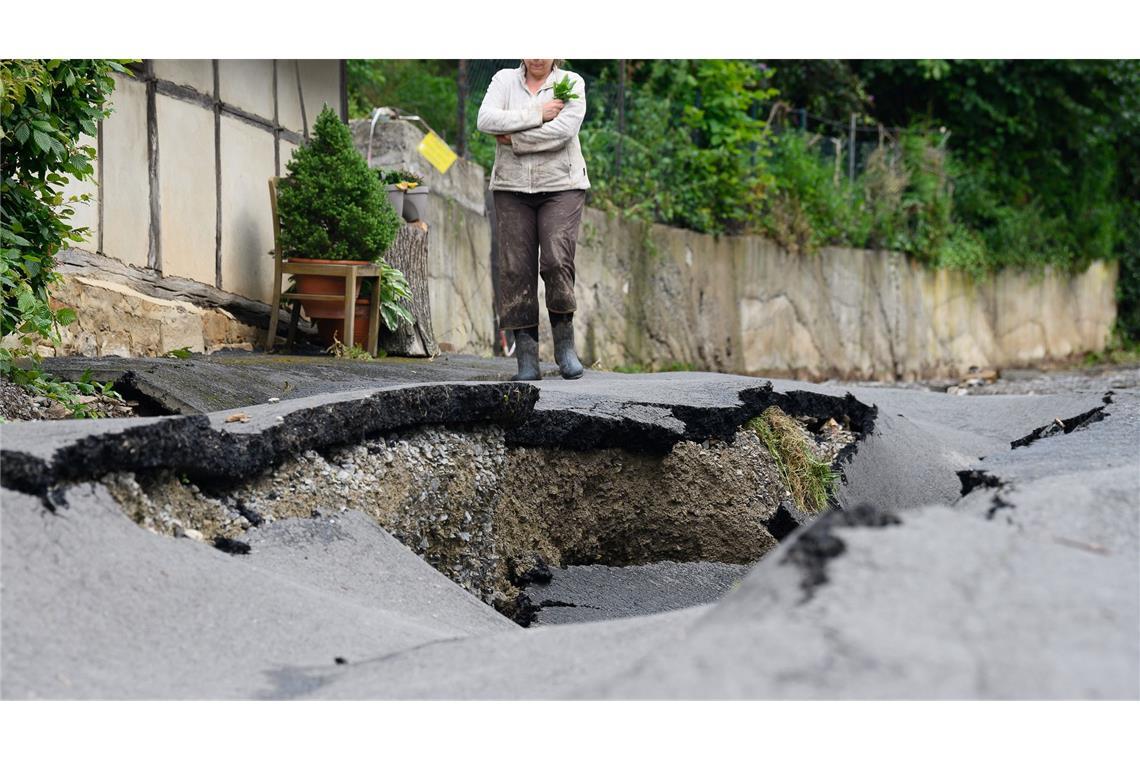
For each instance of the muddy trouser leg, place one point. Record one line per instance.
(517, 233)
(558, 220)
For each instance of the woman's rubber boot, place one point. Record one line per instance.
(526, 351)
(562, 325)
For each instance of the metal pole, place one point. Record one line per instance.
(620, 118)
(461, 115)
(851, 152)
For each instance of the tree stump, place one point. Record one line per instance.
(409, 254)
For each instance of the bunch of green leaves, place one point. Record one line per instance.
(353, 352)
(46, 107)
(332, 205)
(396, 176)
(39, 383)
(394, 293)
(564, 89)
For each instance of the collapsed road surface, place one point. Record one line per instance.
(954, 564)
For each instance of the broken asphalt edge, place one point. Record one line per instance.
(211, 449)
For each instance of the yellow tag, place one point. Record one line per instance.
(437, 152)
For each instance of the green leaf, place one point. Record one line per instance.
(42, 140)
(22, 133)
(66, 316)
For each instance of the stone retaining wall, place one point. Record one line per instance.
(661, 295)
(657, 296)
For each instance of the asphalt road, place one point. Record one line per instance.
(976, 570)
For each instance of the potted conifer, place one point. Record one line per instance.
(332, 209)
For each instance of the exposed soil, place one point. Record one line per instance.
(16, 403)
(488, 515)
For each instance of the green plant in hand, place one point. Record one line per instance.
(564, 90)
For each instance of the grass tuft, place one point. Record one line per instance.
(810, 480)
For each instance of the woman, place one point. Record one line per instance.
(539, 181)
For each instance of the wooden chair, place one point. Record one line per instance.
(350, 272)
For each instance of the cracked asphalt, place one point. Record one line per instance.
(1027, 586)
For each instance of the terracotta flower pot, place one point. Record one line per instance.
(325, 285)
(329, 327)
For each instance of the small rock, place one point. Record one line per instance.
(180, 532)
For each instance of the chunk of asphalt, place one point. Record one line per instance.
(207, 449)
(1066, 426)
(973, 479)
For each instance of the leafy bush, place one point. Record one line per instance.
(332, 205)
(46, 108)
(805, 204)
(693, 149)
(394, 289)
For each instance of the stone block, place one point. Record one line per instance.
(394, 146)
(459, 276)
(116, 320)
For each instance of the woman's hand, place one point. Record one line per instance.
(550, 109)
(503, 139)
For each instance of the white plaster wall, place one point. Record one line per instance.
(195, 73)
(126, 183)
(247, 231)
(248, 85)
(187, 189)
(320, 82)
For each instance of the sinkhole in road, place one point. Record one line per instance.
(494, 517)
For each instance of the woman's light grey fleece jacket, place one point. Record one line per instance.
(542, 157)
